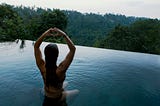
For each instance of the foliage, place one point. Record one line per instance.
(87, 29)
(10, 24)
(51, 19)
(28, 23)
(84, 29)
(141, 36)
(106, 31)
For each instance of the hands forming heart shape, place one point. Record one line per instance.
(55, 32)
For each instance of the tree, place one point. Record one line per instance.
(121, 39)
(141, 36)
(11, 24)
(87, 29)
(37, 20)
(148, 32)
(50, 19)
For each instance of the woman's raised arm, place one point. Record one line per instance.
(67, 61)
(37, 52)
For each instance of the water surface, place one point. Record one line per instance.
(104, 77)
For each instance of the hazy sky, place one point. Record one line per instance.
(139, 8)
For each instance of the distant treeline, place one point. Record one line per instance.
(105, 31)
(141, 36)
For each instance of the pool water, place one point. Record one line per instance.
(103, 77)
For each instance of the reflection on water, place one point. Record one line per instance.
(103, 77)
(22, 44)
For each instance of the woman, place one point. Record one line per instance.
(53, 75)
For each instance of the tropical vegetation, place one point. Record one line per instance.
(112, 31)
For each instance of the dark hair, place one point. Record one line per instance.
(51, 54)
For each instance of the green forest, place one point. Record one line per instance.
(111, 31)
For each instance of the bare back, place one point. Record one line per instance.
(62, 67)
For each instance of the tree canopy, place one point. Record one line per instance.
(10, 23)
(28, 23)
(141, 36)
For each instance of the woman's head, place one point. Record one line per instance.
(51, 54)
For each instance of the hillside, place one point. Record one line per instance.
(85, 29)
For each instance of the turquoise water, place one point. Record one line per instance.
(103, 77)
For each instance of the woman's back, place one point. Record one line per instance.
(54, 89)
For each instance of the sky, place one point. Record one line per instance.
(137, 8)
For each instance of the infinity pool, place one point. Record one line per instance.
(104, 77)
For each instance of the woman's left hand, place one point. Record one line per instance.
(48, 32)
